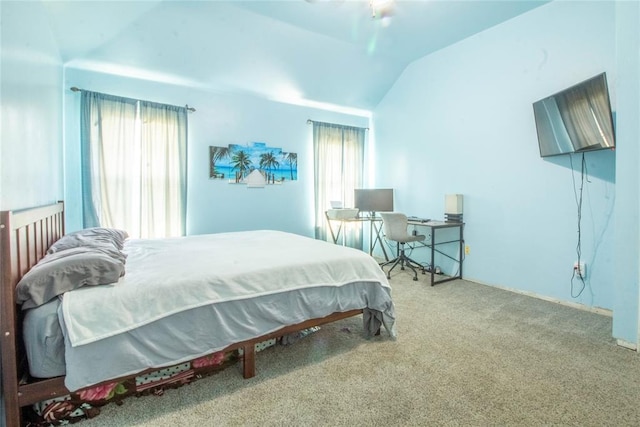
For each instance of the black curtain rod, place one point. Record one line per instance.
(190, 109)
(309, 121)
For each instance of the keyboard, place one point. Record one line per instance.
(416, 219)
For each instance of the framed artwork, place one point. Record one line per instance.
(255, 164)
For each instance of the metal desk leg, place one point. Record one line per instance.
(334, 236)
(461, 249)
(373, 241)
(433, 251)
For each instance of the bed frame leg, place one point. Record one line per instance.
(249, 361)
(13, 412)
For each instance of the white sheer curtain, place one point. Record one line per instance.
(163, 183)
(108, 127)
(133, 165)
(338, 171)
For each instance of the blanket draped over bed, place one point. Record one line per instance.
(239, 285)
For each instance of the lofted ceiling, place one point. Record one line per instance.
(318, 51)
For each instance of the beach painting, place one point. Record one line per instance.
(235, 163)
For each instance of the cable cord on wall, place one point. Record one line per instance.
(578, 197)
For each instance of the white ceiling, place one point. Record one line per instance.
(325, 51)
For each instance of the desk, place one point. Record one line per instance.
(433, 243)
(375, 230)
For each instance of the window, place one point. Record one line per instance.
(134, 172)
(338, 171)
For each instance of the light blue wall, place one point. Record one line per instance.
(31, 136)
(220, 119)
(461, 121)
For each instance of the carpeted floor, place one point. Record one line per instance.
(466, 355)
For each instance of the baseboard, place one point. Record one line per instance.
(597, 310)
(627, 344)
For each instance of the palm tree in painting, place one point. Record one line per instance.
(268, 162)
(292, 160)
(241, 161)
(215, 155)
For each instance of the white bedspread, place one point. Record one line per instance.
(166, 276)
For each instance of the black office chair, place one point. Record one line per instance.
(395, 225)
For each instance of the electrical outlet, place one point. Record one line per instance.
(467, 250)
(580, 270)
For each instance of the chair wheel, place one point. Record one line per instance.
(388, 277)
(415, 279)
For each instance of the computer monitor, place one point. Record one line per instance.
(374, 199)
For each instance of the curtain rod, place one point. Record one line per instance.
(309, 121)
(190, 109)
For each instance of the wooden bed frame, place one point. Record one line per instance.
(25, 236)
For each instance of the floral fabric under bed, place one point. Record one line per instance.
(86, 403)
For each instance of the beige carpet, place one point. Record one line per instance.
(466, 354)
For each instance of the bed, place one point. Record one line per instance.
(164, 309)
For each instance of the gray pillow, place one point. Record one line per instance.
(90, 236)
(64, 271)
(74, 240)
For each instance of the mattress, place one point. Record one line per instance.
(44, 341)
(166, 276)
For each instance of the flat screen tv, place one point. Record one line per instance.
(374, 199)
(578, 119)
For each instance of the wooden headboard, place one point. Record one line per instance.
(25, 236)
